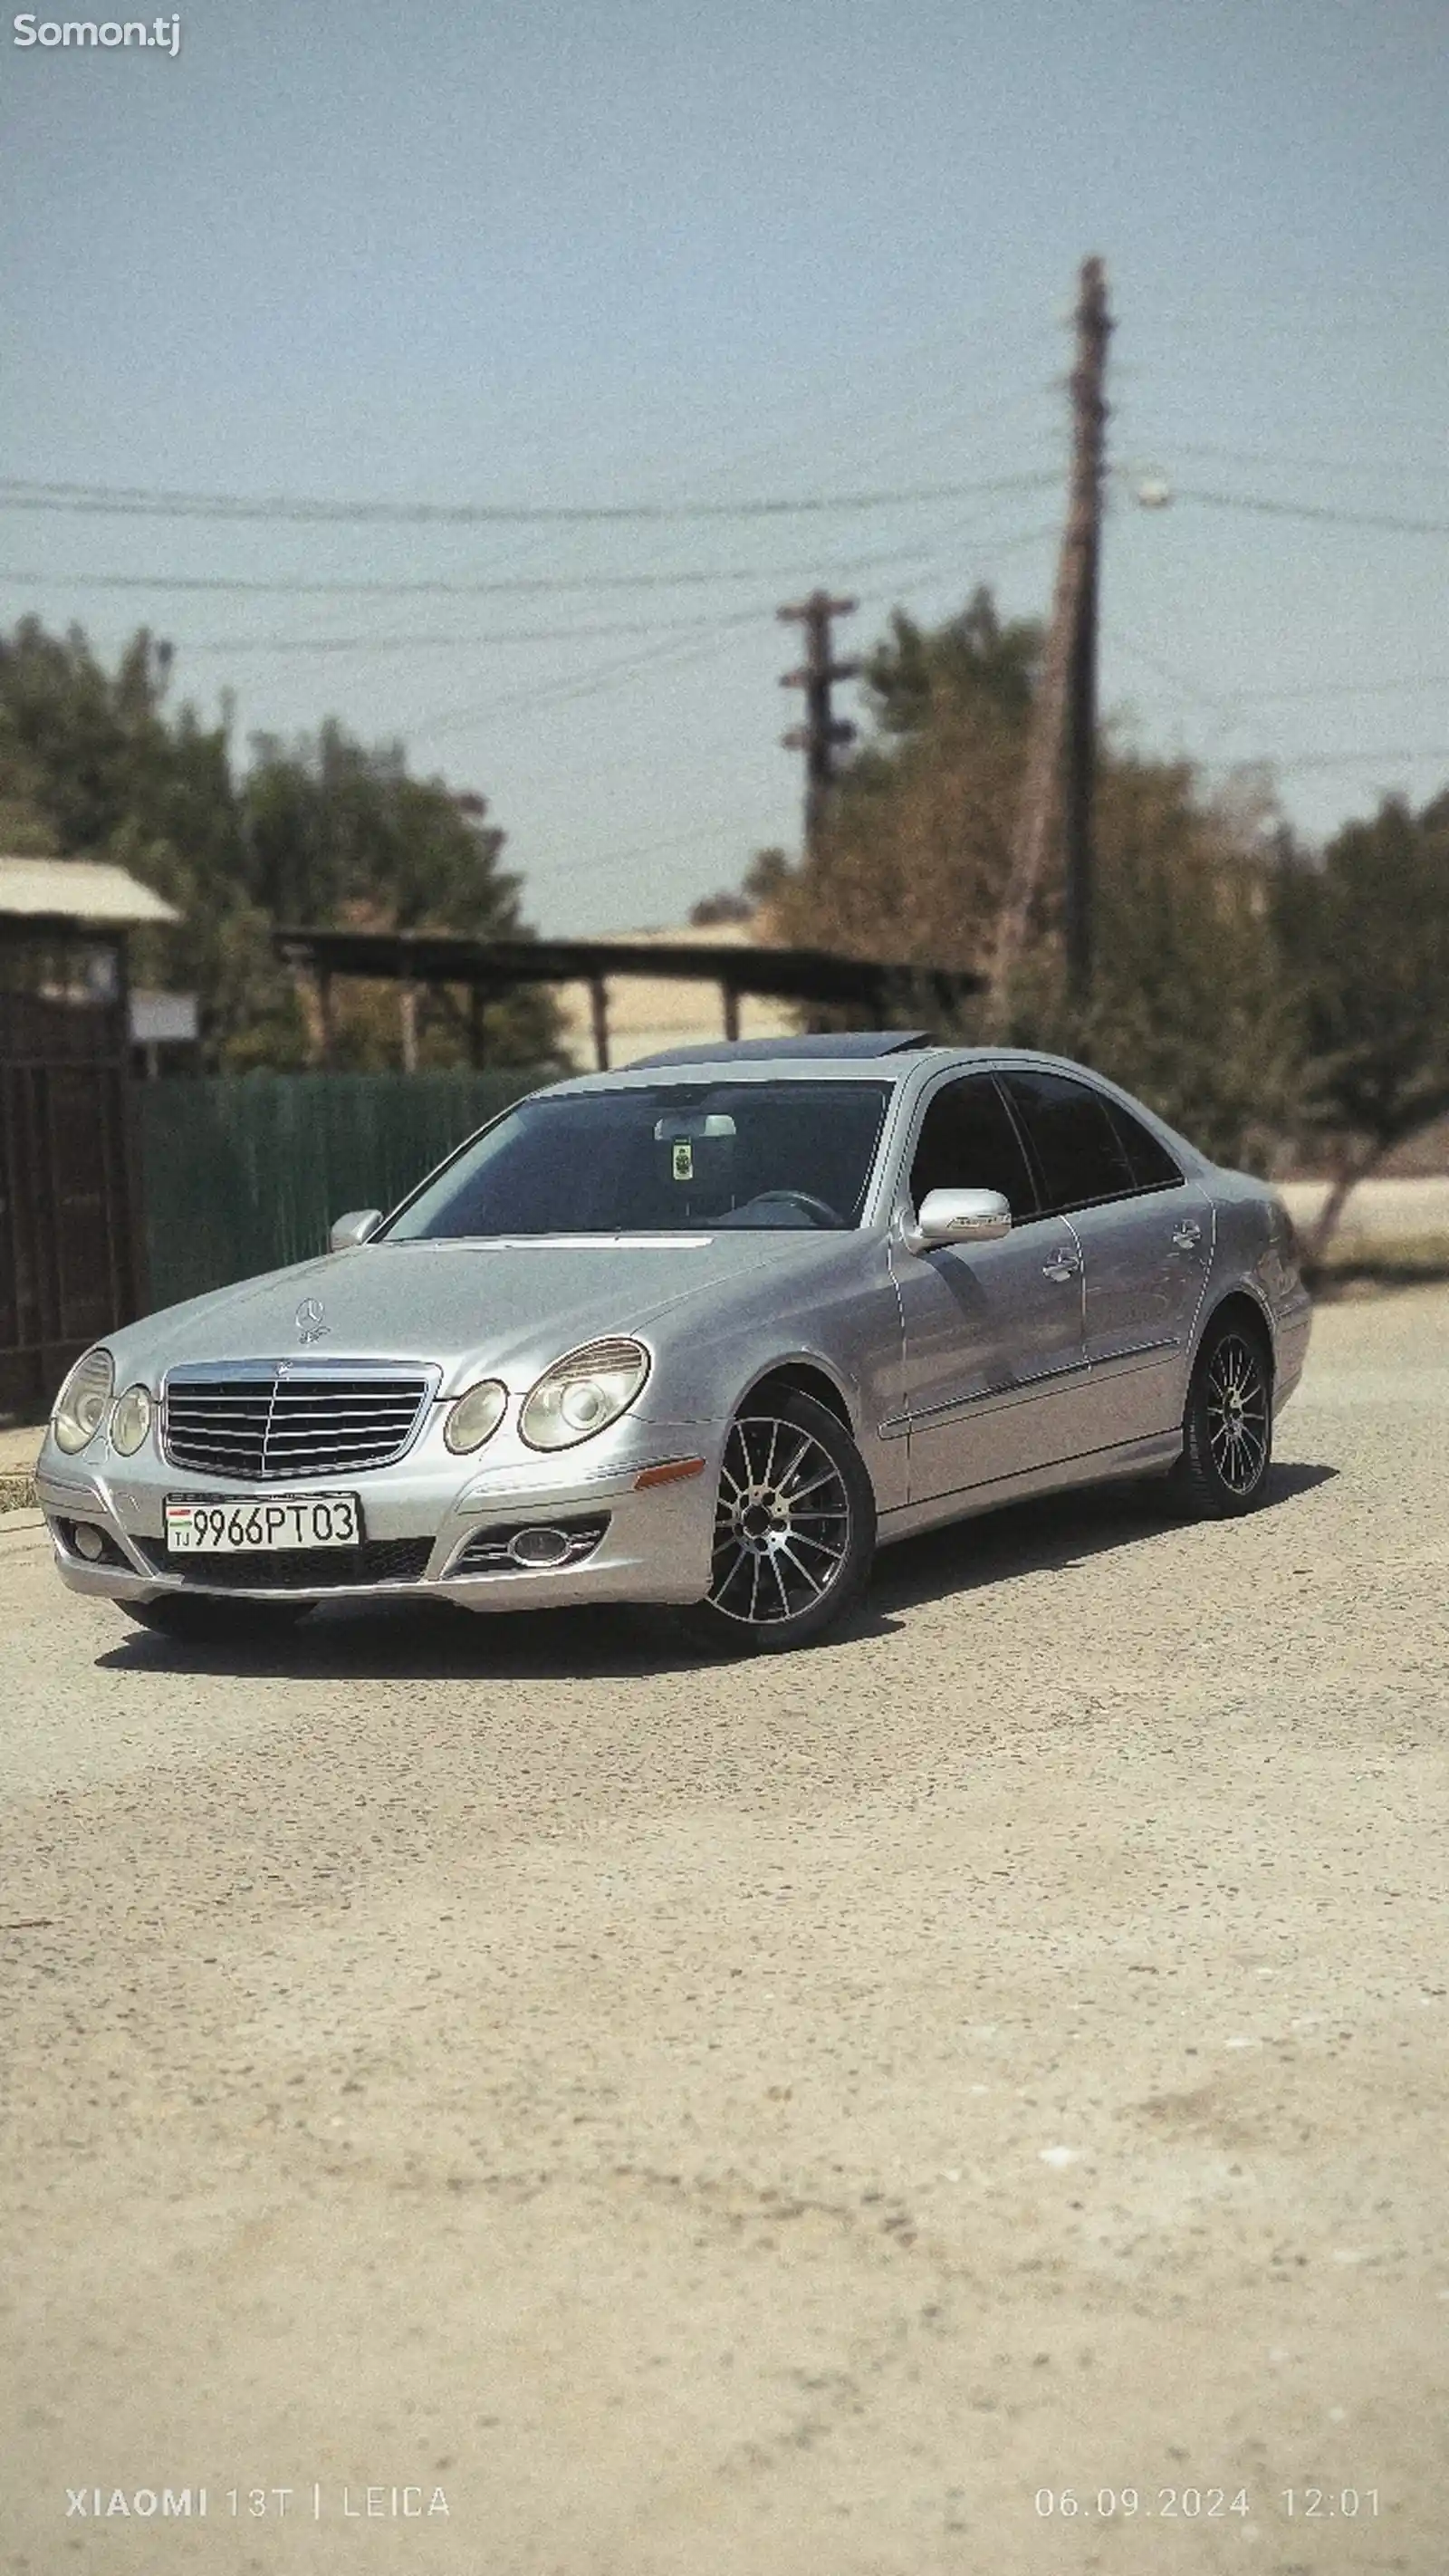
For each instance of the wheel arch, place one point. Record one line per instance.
(1241, 1305)
(802, 1377)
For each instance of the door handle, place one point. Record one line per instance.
(1062, 1265)
(1186, 1235)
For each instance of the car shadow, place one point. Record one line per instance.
(422, 1641)
(1046, 1535)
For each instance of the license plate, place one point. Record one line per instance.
(196, 1525)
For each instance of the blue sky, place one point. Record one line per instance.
(556, 255)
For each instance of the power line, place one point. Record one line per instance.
(506, 635)
(614, 673)
(1321, 513)
(124, 502)
(524, 585)
(468, 643)
(1338, 689)
(547, 694)
(1351, 760)
(1304, 464)
(1218, 700)
(603, 860)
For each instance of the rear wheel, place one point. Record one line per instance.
(203, 1616)
(794, 1530)
(1227, 1428)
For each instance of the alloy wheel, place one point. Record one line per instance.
(1237, 1413)
(782, 1524)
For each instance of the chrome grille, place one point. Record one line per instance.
(292, 1419)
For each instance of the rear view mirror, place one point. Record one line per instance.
(354, 1228)
(961, 1216)
(712, 1123)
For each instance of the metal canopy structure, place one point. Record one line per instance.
(811, 977)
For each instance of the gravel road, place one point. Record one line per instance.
(794, 2119)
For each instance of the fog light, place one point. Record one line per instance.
(539, 1547)
(88, 1542)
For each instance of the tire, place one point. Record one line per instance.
(1227, 1427)
(204, 1617)
(794, 1530)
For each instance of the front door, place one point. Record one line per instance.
(995, 1350)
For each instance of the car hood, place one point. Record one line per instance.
(511, 1307)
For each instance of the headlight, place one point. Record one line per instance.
(81, 1403)
(131, 1420)
(476, 1415)
(583, 1393)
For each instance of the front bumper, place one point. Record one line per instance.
(655, 1546)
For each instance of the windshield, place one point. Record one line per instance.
(667, 1159)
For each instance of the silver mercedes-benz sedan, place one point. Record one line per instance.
(703, 1332)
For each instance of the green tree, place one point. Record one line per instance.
(973, 655)
(915, 852)
(333, 832)
(1187, 1007)
(1365, 934)
(322, 832)
(1190, 1007)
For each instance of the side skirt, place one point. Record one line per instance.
(1097, 1467)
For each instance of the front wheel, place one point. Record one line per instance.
(206, 1618)
(794, 1530)
(1227, 1428)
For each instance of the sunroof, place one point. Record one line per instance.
(829, 1049)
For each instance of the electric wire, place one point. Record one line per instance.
(528, 585)
(95, 499)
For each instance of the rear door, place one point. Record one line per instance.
(1146, 1234)
(995, 1352)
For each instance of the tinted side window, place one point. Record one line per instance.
(1075, 1143)
(967, 1142)
(1152, 1166)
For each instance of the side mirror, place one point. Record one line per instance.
(959, 1216)
(354, 1228)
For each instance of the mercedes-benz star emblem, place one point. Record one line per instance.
(310, 1327)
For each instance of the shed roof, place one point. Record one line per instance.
(792, 974)
(87, 892)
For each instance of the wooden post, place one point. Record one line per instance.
(408, 1020)
(823, 732)
(599, 1014)
(325, 1021)
(1064, 718)
(731, 1000)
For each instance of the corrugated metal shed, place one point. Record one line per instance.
(87, 892)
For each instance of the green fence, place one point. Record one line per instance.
(246, 1173)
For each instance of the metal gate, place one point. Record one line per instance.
(68, 1264)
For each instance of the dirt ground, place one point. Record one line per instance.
(557, 2111)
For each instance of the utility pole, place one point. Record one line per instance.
(822, 733)
(1061, 753)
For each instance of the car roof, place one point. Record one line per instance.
(832, 1059)
(834, 1047)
